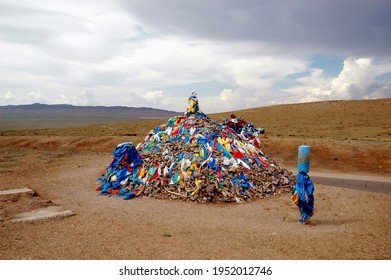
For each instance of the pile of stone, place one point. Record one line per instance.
(192, 157)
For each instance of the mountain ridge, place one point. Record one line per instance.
(39, 110)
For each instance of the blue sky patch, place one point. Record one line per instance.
(331, 65)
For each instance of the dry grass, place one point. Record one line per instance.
(342, 120)
(349, 136)
(357, 119)
(62, 166)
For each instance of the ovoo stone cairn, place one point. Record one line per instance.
(191, 157)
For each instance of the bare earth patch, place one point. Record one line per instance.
(347, 224)
(61, 165)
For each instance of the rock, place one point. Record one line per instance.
(200, 160)
(209, 189)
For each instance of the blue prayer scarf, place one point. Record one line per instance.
(305, 191)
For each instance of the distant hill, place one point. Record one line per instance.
(48, 116)
(61, 111)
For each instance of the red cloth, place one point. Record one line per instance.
(237, 154)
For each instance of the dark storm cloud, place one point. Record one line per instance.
(349, 27)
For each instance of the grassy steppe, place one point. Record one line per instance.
(346, 136)
(62, 165)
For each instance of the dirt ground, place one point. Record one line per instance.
(348, 224)
(62, 165)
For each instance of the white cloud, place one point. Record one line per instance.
(354, 79)
(381, 90)
(357, 80)
(72, 30)
(97, 53)
(7, 97)
(35, 97)
(86, 97)
(153, 97)
(172, 62)
(250, 101)
(228, 96)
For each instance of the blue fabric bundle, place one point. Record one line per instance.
(304, 191)
(126, 159)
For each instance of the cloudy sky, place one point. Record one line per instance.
(235, 54)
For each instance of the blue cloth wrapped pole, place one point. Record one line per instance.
(303, 196)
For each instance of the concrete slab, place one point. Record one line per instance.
(42, 214)
(16, 191)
